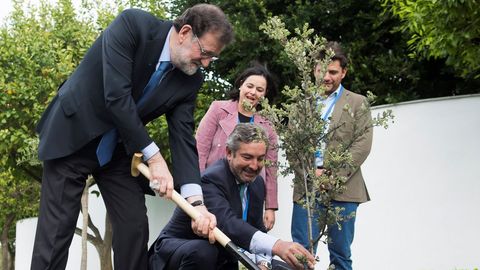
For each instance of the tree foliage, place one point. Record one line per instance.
(38, 48)
(37, 52)
(378, 54)
(306, 130)
(40, 45)
(446, 29)
(18, 199)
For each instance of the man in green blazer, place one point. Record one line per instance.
(353, 126)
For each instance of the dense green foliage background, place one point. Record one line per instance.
(377, 41)
(39, 47)
(447, 29)
(400, 50)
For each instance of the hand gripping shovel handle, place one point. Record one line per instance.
(220, 237)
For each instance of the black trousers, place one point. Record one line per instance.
(193, 254)
(198, 254)
(62, 185)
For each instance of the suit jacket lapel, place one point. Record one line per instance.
(153, 49)
(236, 201)
(151, 54)
(229, 122)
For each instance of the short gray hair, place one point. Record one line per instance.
(246, 133)
(205, 18)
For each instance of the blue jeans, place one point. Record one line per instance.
(340, 240)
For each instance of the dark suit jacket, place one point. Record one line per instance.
(102, 92)
(222, 198)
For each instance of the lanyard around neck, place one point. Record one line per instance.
(329, 110)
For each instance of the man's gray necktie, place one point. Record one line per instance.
(109, 140)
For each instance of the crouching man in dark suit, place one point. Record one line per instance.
(234, 192)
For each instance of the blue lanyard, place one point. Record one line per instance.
(329, 110)
(318, 153)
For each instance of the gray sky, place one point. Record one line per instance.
(6, 8)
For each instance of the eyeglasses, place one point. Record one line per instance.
(204, 54)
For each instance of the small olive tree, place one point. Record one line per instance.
(302, 131)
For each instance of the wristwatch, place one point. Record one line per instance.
(265, 264)
(197, 203)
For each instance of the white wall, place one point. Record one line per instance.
(424, 182)
(424, 185)
(423, 177)
(159, 212)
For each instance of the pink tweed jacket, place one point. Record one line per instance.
(215, 126)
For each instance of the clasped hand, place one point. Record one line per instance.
(161, 182)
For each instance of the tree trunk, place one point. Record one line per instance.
(309, 210)
(103, 245)
(4, 242)
(83, 264)
(106, 254)
(11, 252)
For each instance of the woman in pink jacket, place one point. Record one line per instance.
(221, 118)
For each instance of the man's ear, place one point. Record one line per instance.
(184, 32)
(344, 71)
(228, 153)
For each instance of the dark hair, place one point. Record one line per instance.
(338, 53)
(204, 18)
(254, 69)
(246, 133)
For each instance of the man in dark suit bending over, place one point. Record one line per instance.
(234, 192)
(138, 69)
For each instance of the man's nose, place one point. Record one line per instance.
(205, 62)
(253, 165)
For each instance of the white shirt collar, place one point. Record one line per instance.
(165, 55)
(335, 93)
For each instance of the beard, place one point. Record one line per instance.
(241, 177)
(331, 87)
(181, 61)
